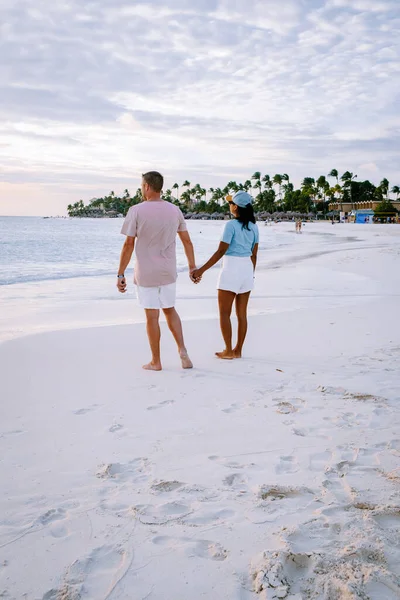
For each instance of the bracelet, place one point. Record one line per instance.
(120, 276)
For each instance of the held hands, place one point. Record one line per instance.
(195, 275)
(121, 285)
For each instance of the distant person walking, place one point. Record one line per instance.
(151, 228)
(238, 248)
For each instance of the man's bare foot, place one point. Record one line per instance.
(186, 362)
(225, 354)
(152, 366)
(237, 353)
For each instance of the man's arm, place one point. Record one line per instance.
(188, 248)
(125, 259)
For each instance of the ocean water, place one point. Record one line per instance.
(60, 273)
(34, 249)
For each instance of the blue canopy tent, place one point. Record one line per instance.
(365, 215)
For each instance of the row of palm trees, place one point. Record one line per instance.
(271, 194)
(279, 192)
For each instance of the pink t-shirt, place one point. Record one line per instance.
(155, 224)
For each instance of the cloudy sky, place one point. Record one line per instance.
(95, 92)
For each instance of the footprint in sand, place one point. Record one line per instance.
(82, 411)
(285, 408)
(394, 445)
(191, 548)
(162, 487)
(11, 433)
(161, 514)
(136, 470)
(215, 516)
(280, 492)
(287, 464)
(161, 405)
(56, 519)
(230, 464)
(310, 432)
(230, 409)
(358, 396)
(54, 514)
(320, 461)
(95, 576)
(115, 427)
(235, 480)
(274, 501)
(389, 520)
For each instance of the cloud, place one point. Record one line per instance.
(96, 92)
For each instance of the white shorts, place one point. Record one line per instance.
(237, 275)
(163, 296)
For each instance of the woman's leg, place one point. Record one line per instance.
(225, 301)
(241, 313)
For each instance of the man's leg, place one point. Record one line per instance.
(242, 301)
(154, 335)
(175, 325)
(225, 301)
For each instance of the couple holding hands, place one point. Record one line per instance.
(151, 229)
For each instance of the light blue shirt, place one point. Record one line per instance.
(240, 239)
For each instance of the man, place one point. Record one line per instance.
(153, 225)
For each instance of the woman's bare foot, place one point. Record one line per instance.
(152, 366)
(186, 362)
(237, 353)
(225, 354)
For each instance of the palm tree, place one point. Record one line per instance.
(323, 186)
(185, 198)
(334, 173)
(257, 185)
(396, 190)
(384, 187)
(186, 184)
(347, 178)
(247, 185)
(257, 178)
(176, 187)
(267, 182)
(277, 180)
(233, 186)
(309, 189)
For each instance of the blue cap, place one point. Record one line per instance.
(242, 199)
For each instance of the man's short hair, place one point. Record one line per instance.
(155, 180)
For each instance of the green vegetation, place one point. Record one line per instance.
(385, 209)
(271, 194)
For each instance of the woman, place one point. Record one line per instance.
(238, 247)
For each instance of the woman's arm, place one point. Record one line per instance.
(254, 256)
(222, 248)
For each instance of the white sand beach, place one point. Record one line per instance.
(274, 476)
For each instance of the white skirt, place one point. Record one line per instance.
(237, 274)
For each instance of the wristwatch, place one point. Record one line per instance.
(120, 276)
